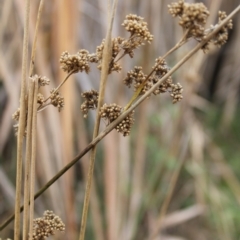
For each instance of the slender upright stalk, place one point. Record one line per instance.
(35, 38)
(107, 53)
(33, 159)
(22, 122)
(28, 159)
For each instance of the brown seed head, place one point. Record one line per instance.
(91, 101)
(78, 62)
(111, 112)
(56, 99)
(47, 225)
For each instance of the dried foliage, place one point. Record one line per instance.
(167, 129)
(47, 225)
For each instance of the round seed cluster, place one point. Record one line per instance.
(111, 112)
(161, 69)
(56, 99)
(176, 92)
(163, 86)
(137, 77)
(47, 225)
(78, 62)
(16, 115)
(222, 36)
(176, 8)
(40, 98)
(93, 58)
(192, 17)
(91, 101)
(99, 50)
(116, 48)
(42, 81)
(136, 26)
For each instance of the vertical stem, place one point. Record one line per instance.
(35, 38)
(28, 160)
(104, 74)
(22, 121)
(33, 158)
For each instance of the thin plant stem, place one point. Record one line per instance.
(22, 121)
(112, 125)
(28, 160)
(41, 107)
(44, 107)
(33, 160)
(35, 38)
(107, 53)
(137, 93)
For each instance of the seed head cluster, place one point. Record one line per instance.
(116, 48)
(56, 99)
(47, 225)
(192, 17)
(40, 99)
(91, 101)
(16, 115)
(111, 112)
(137, 77)
(137, 27)
(78, 62)
(42, 81)
(139, 33)
(160, 69)
(222, 36)
(176, 92)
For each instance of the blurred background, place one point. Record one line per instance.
(177, 176)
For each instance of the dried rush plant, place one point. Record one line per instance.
(192, 17)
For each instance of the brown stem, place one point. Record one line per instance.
(182, 41)
(35, 38)
(22, 122)
(41, 107)
(33, 160)
(28, 159)
(107, 53)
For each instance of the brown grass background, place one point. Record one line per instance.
(181, 163)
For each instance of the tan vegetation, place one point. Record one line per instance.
(170, 171)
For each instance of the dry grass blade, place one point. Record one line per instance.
(22, 120)
(28, 159)
(181, 216)
(104, 74)
(33, 160)
(35, 38)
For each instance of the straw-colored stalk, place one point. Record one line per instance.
(40, 8)
(22, 121)
(28, 159)
(107, 53)
(33, 159)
